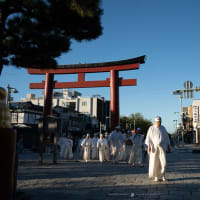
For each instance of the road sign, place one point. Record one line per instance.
(188, 92)
(188, 84)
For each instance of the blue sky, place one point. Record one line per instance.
(167, 31)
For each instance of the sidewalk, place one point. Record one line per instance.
(193, 148)
(76, 180)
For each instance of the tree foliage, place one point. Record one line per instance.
(35, 32)
(138, 120)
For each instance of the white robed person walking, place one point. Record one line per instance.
(94, 146)
(101, 146)
(68, 154)
(79, 149)
(136, 151)
(123, 149)
(157, 141)
(116, 139)
(62, 143)
(107, 150)
(86, 145)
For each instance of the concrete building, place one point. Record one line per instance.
(188, 118)
(25, 117)
(190, 112)
(196, 119)
(94, 106)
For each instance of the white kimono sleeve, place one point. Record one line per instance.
(98, 144)
(166, 141)
(83, 143)
(148, 138)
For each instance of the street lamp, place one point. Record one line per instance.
(9, 91)
(177, 115)
(180, 93)
(175, 120)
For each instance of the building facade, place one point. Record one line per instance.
(25, 117)
(188, 118)
(94, 106)
(196, 119)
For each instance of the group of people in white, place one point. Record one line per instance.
(117, 146)
(98, 148)
(66, 144)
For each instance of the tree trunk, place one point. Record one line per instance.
(3, 17)
(1, 69)
(7, 167)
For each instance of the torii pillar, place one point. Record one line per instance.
(48, 92)
(113, 82)
(114, 98)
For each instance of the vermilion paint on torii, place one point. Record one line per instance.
(80, 69)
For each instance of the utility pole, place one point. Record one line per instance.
(9, 91)
(177, 115)
(180, 93)
(182, 127)
(175, 120)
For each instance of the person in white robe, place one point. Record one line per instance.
(86, 145)
(123, 149)
(116, 139)
(94, 147)
(80, 149)
(136, 152)
(107, 149)
(128, 144)
(126, 149)
(101, 146)
(157, 141)
(62, 143)
(68, 154)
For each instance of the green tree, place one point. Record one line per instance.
(35, 32)
(136, 119)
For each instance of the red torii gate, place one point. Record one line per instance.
(113, 82)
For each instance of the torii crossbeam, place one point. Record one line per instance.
(113, 82)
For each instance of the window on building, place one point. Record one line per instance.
(14, 117)
(84, 103)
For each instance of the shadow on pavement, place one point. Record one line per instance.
(153, 191)
(77, 170)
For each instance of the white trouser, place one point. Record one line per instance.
(107, 154)
(157, 162)
(86, 155)
(68, 152)
(94, 153)
(136, 155)
(62, 150)
(128, 152)
(116, 152)
(101, 155)
(122, 153)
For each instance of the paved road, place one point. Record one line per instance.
(76, 180)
